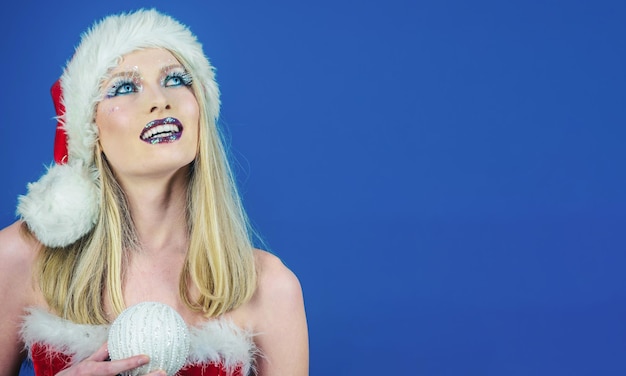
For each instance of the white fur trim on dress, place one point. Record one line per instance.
(101, 49)
(217, 341)
(223, 341)
(76, 340)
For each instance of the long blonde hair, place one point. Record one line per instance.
(219, 262)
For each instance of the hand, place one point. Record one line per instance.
(98, 365)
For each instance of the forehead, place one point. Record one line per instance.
(145, 59)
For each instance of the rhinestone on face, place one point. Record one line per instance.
(153, 329)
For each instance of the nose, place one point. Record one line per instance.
(157, 98)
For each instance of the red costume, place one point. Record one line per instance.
(218, 347)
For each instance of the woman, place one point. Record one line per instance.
(142, 207)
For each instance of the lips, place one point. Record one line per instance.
(161, 131)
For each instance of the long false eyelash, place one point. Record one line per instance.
(185, 77)
(121, 81)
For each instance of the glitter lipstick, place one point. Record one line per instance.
(161, 131)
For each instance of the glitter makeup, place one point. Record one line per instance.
(162, 131)
(123, 83)
(176, 75)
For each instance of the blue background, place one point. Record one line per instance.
(446, 178)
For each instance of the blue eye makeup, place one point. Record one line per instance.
(122, 86)
(177, 78)
(131, 82)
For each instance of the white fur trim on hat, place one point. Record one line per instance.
(101, 49)
(62, 206)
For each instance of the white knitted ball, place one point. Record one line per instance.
(153, 329)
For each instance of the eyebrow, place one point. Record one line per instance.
(134, 72)
(172, 66)
(127, 73)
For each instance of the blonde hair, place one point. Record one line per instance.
(219, 262)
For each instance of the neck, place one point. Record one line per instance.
(158, 209)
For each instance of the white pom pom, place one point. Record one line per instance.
(62, 206)
(153, 329)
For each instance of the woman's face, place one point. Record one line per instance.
(148, 120)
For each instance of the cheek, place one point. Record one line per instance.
(190, 107)
(113, 109)
(112, 121)
(103, 114)
(110, 117)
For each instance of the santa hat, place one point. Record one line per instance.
(64, 204)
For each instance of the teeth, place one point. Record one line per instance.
(165, 128)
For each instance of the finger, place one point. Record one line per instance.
(121, 365)
(106, 368)
(101, 354)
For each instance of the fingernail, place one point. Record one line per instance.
(143, 360)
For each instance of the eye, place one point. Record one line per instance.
(173, 81)
(122, 87)
(176, 79)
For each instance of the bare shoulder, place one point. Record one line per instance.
(18, 252)
(279, 319)
(276, 280)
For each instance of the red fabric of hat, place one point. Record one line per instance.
(60, 138)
